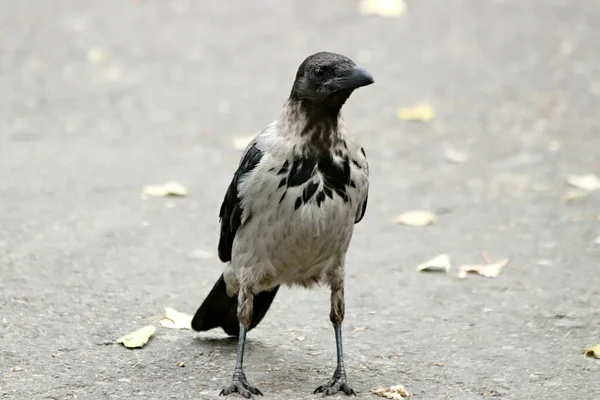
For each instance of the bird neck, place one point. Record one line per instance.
(317, 126)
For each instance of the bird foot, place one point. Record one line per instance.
(241, 386)
(336, 384)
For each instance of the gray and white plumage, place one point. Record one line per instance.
(289, 213)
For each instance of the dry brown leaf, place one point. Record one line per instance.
(176, 320)
(396, 392)
(491, 270)
(240, 142)
(383, 8)
(593, 351)
(18, 369)
(419, 112)
(575, 194)
(439, 263)
(589, 182)
(168, 189)
(138, 338)
(416, 218)
(300, 338)
(180, 364)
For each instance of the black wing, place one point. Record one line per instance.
(362, 212)
(363, 207)
(231, 210)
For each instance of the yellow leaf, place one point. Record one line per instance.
(164, 190)
(439, 263)
(383, 8)
(138, 338)
(241, 142)
(589, 182)
(96, 55)
(575, 194)
(396, 392)
(416, 218)
(176, 320)
(491, 270)
(420, 112)
(593, 351)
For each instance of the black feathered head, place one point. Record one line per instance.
(326, 80)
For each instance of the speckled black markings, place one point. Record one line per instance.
(284, 168)
(309, 191)
(302, 170)
(320, 197)
(282, 183)
(336, 178)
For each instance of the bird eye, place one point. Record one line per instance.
(318, 73)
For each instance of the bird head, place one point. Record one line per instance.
(326, 80)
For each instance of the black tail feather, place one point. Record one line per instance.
(220, 310)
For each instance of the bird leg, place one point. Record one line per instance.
(338, 381)
(239, 384)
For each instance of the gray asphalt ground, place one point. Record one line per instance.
(83, 260)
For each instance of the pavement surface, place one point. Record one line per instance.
(98, 98)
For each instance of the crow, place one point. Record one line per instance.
(290, 210)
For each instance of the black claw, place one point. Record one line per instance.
(241, 387)
(335, 385)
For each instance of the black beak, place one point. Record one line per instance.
(357, 77)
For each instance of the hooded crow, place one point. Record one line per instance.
(290, 210)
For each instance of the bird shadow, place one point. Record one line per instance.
(228, 345)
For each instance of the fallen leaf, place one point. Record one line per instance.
(18, 369)
(589, 182)
(575, 194)
(359, 329)
(181, 364)
(138, 338)
(593, 351)
(300, 338)
(383, 8)
(240, 142)
(489, 270)
(96, 55)
(396, 392)
(416, 218)
(419, 112)
(439, 263)
(167, 189)
(455, 156)
(176, 320)
(199, 254)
